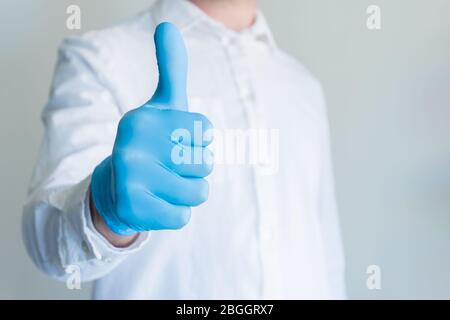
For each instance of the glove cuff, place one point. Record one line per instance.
(101, 192)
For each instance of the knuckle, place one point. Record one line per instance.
(138, 118)
(182, 217)
(202, 190)
(129, 119)
(120, 158)
(208, 161)
(206, 123)
(208, 168)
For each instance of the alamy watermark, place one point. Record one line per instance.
(374, 18)
(373, 281)
(257, 147)
(73, 281)
(73, 21)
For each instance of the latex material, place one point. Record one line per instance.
(139, 187)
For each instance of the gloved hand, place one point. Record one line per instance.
(145, 184)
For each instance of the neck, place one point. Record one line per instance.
(234, 14)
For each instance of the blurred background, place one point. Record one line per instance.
(388, 95)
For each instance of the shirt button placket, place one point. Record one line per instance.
(254, 121)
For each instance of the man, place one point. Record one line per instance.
(108, 196)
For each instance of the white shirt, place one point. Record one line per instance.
(261, 234)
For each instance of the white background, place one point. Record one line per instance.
(389, 102)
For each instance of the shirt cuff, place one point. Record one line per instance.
(99, 245)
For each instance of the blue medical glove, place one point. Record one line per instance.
(152, 177)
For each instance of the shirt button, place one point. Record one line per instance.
(85, 247)
(247, 103)
(245, 38)
(233, 51)
(246, 93)
(266, 234)
(225, 41)
(107, 260)
(263, 163)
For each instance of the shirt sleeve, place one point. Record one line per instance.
(328, 213)
(80, 122)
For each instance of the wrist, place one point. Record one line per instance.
(119, 241)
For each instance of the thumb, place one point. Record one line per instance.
(172, 65)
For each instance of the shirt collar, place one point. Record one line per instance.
(187, 16)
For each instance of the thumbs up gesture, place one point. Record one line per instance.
(140, 187)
